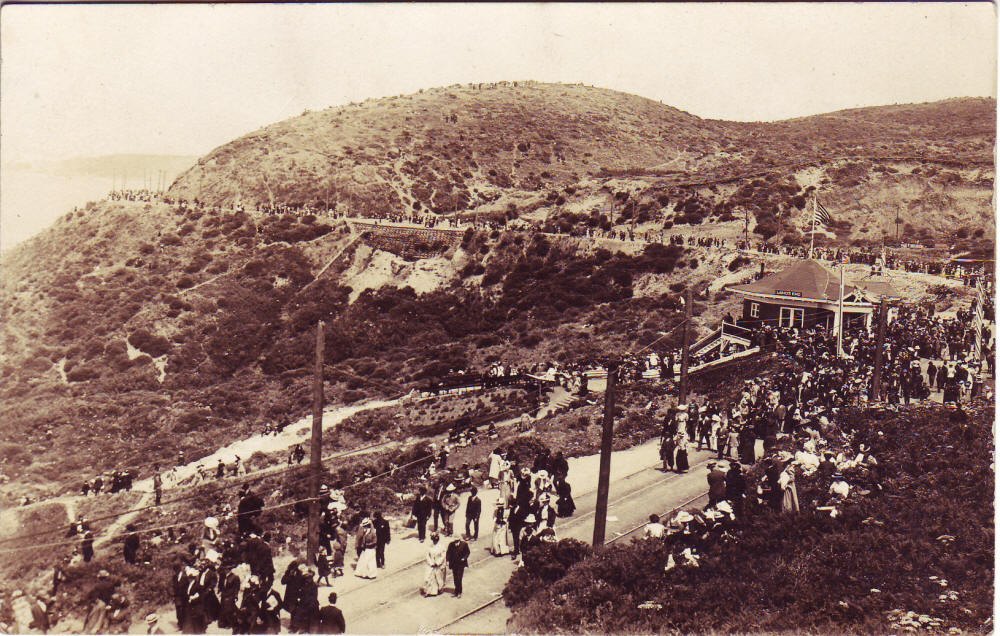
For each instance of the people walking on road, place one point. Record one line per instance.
(473, 510)
(457, 556)
(365, 544)
(682, 444)
(383, 536)
(500, 545)
(423, 506)
(449, 505)
(435, 575)
(668, 445)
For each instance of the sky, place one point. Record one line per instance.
(86, 80)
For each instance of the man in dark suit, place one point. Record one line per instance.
(423, 505)
(457, 557)
(473, 510)
(716, 484)
(382, 538)
(331, 619)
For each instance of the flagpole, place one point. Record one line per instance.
(812, 232)
(840, 305)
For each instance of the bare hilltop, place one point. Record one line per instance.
(516, 148)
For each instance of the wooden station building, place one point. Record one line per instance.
(807, 294)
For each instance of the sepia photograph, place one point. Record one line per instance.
(513, 318)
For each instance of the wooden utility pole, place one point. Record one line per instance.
(746, 229)
(315, 460)
(879, 344)
(604, 474)
(686, 353)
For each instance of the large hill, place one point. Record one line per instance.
(525, 147)
(133, 330)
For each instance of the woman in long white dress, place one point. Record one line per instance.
(365, 545)
(436, 575)
(500, 545)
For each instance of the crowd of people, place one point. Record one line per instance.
(969, 272)
(797, 415)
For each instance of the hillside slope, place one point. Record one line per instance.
(131, 331)
(522, 147)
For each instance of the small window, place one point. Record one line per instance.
(755, 310)
(791, 317)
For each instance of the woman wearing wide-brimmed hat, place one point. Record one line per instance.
(365, 544)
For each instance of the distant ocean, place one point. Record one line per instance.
(32, 201)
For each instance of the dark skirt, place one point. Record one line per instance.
(682, 460)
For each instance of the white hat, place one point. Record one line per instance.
(211, 522)
(151, 619)
(682, 407)
(530, 519)
(450, 488)
(684, 516)
(723, 506)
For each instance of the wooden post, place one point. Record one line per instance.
(315, 460)
(604, 474)
(879, 344)
(685, 353)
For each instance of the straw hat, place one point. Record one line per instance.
(723, 506)
(211, 522)
(684, 516)
(151, 619)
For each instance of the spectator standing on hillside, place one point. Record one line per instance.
(716, 484)
(248, 510)
(131, 544)
(736, 486)
(157, 484)
(473, 510)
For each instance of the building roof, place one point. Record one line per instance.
(876, 287)
(805, 279)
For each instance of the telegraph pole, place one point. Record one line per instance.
(607, 436)
(686, 353)
(315, 461)
(746, 229)
(879, 343)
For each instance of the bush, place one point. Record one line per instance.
(147, 342)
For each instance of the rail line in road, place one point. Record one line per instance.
(404, 594)
(487, 604)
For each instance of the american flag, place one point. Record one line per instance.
(821, 217)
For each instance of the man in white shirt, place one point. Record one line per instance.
(654, 529)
